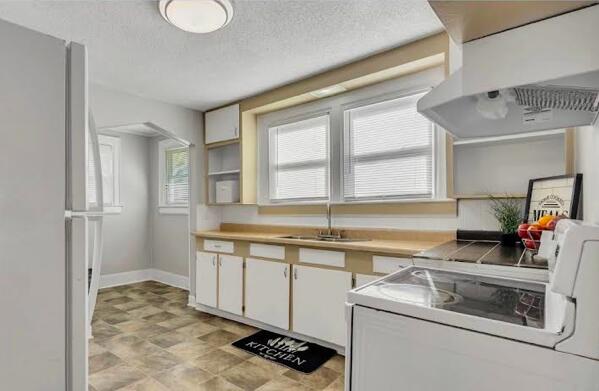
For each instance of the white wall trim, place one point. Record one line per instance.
(124, 278)
(171, 279)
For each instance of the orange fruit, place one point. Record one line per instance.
(543, 221)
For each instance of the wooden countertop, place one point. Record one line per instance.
(398, 247)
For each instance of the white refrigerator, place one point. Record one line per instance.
(46, 144)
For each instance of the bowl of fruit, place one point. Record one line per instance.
(530, 234)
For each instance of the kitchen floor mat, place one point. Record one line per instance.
(302, 356)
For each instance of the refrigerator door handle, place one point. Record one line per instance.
(96, 265)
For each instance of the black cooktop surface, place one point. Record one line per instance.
(480, 251)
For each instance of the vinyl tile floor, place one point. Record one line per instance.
(146, 338)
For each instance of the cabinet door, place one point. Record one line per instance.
(206, 278)
(267, 292)
(230, 283)
(319, 303)
(222, 124)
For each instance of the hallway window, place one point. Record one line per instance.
(174, 181)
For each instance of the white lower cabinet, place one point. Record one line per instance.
(230, 284)
(267, 292)
(206, 272)
(319, 302)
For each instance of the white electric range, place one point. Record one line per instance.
(424, 328)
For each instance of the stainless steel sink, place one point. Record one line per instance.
(345, 240)
(300, 237)
(323, 239)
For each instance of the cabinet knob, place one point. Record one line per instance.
(285, 272)
(295, 274)
(213, 261)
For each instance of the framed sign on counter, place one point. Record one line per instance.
(558, 195)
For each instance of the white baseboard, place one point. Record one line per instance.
(124, 278)
(170, 279)
(116, 279)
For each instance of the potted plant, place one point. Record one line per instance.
(508, 212)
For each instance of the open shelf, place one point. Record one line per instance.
(224, 169)
(512, 137)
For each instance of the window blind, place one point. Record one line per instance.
(299, 160)
(387, 151)
(177, 176)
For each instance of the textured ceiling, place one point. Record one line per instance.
(267, 44)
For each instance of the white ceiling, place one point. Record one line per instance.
(267, 44)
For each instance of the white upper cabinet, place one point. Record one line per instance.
(222, 124)
(267, 292)
(319, 303)
(230, 283)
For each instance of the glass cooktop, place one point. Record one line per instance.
(492, 298)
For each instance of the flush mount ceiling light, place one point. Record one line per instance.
(197, 16)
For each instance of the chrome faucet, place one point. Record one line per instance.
(329, 234)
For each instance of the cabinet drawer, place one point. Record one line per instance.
(220, 246)
(267, 251)
(322, 257)
(388, 265)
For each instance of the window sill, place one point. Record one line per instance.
(173, 210)
(397, 207)
(113, 210)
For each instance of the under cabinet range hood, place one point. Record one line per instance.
(540, 76)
